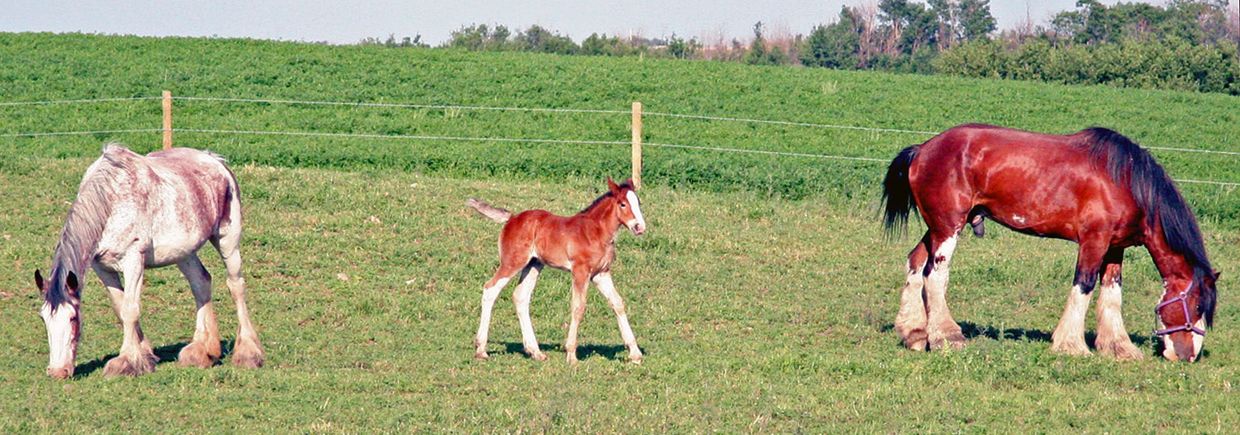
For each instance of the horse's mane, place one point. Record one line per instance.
(1128, 164)
(87, 216)
(624, 185)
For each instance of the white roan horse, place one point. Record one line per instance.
(134, 212)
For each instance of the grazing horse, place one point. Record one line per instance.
(583, 244)
(134, 212)
(1095, 187)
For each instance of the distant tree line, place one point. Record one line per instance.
(1184, 44)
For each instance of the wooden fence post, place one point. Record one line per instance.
(167, 120)
(637, 144)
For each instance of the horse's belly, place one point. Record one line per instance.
(172, 248)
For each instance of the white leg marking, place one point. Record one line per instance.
(521, 300)
(1069, 335)
(940, 327)
(1112, 336)
(608, 288)
(484, 322)
(911, 319)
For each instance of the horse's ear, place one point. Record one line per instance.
(38, 281)
(611, 185)
(71, 281)
(629, 182)
(1216, 274)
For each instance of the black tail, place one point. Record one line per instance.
(1156, 195)
(897, 194)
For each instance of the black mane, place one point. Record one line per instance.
(1130, 165)
(625, 185)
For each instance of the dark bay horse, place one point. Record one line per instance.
(1096, 188)
(134, 212)
(583, 244)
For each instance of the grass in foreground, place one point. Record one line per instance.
(757, 314)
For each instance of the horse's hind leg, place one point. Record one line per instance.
(490, 292)
(608, 289)
(136, 356)
(247, 350)
(941, 329)
(521, 300)
(911, 319)
(204, 350)
(1112, 336)
(577, 309)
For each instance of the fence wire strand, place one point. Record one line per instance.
(403, 105)
(402, 136)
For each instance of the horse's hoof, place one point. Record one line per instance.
(248, 355)
(572, 359)
(481, 356)
(635, 359)
(197, 355)
(123, 366)
(916, 340)
(1070, 349)
(1123, 351)
(538, 356)
(954, 341)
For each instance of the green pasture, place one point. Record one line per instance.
(763, 293)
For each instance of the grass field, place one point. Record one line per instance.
(763, 294)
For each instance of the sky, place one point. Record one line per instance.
(345, 21)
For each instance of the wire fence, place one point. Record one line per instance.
(366, 104)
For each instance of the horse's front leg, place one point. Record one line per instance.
(1112, 336)
(136, 356)
(1069, 335)
(577, 309)
(204, 350)
(608, 288)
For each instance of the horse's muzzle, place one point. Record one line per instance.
(60, 372)
(638, 229)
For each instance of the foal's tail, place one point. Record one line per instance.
(491, 212)
(897, 193)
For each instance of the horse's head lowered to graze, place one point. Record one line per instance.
(61, 303)
(628, 207)
(1183, 316)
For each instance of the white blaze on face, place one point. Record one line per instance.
(638, 221)
(60, 339)
(1198, 341)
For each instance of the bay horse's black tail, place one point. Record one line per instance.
(1156, 195)
(897, 193)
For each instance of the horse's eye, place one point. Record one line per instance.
(623, 205)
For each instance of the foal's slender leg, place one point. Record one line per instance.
(521, 300)
(1069, 335)
(135, 357)
(1112, 337)
(941, 329)
(204, 350)
(490, 293)
(911, 319)
(577, 309)
(247, 350)
(608, 289)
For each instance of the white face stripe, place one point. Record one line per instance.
(637, 208)
(59, 334)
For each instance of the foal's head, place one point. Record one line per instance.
(60, 314)
(628, 208)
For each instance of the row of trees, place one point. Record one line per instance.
(1184, 44)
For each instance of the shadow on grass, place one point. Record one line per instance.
(166, 353)
(611, 352)
(972, 330)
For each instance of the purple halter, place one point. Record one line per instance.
(1188, 323)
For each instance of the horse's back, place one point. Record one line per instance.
(1033, 182)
